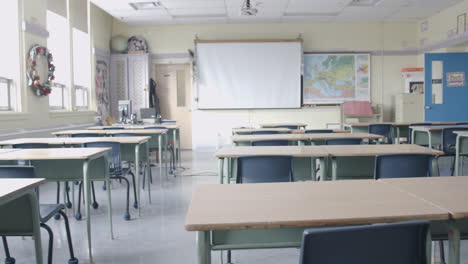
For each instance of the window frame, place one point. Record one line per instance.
(56, 85)
(86, 93)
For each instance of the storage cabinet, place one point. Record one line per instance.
(129, 75)
(409, 107)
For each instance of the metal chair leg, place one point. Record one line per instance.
(8, 258)
(442, 253)
(51, 242)
(68, 203)
(95, 204)
(127, 213)
(135, 204)
(57, 216)
(72, 259)
(78, 212)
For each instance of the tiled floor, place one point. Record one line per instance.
(159, 235)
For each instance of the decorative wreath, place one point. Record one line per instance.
(40, 89)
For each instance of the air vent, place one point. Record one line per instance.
(145, 5)
(365, 2)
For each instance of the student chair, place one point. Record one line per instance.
(116, 172)
(257, 169)
(86, 135)
(264, 132)
(289, 127)
(47, 211)
(402, 243)
(461, 123)
(113, 128)
(385, 130)
(448, 144)
(319, 131)
(344, 141)
(67, 188)
(270, 143)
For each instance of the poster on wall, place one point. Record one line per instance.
(102, 91)
(455, 79)
(336, 78)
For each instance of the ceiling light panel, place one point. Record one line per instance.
(316, 6)
(145, 5)
(193, 3)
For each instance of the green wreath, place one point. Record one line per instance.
(44, 88)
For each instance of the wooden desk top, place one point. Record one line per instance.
(12, 187)
(373, 150)
(282, 124)
(295, 151)
(250, 130)
(403, 123)
(111, 132)
(449, 193)
(461, 133)
(3, 151)
(135, 126)
(318, 136)
(74, 141)
(54, 154)
(303, 204)
(436, 127)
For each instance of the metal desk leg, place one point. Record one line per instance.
(429, 134)
(36, 226)
(313, 168)
(174, 140)
(160, 156)
(457, 156)
(137, 172)
(323, 168)
(454, 243)
(397, 140)
(203, 247)
(220, 169)
(87, 198)
(334, 169)
(109, 200)
(435, 166)
(178, 147)
(148, 171)
(229, 170)
(166, 162)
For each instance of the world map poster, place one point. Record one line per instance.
(335, 78)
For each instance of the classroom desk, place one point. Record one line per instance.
(174, 129)
(70, 164)
(142, 132)
(300, 138)
(461, 147)
(13, 190)
(352, 151)
(300, 125)
(274, 215)
(430, 135)
(230, 153)
(130, 150)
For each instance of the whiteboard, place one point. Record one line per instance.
(247, 75)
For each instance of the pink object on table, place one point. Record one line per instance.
(357, 108)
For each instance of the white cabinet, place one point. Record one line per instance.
(129, 75)
(409, 107)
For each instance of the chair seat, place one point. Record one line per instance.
(47, 211)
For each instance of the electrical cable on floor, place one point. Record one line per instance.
(183, 169)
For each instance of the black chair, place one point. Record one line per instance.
(344, 141)
(47, 211)
(116, 171)
(403, 166)
(257, 169)
(385, 130)
(402, 243)
(113, 128)
(448, 144)
(319, 131)
(288, 127)
(68, 204)
(270, 143)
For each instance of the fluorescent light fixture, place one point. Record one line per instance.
(287, 14)
(145, 5)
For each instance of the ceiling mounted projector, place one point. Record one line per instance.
(248, 10)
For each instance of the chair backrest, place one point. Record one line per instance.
(343, 141)
(86, 135)
(265, 132)
(113, 156)
(402, 243)
(318, 131)
(113, 128)
(461, 123)
(402, 166)
(289, 127)
(15, 171)
(449, 139)
(155, 127)
(270, 143)
(123, 134)
(383, 130)
(30, 145)
(410, 131)
(258, 169)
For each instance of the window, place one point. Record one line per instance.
(9, 52)
(58, 44)
(81, 67)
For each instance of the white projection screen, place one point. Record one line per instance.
(247, 75)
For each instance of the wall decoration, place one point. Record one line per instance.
(102, 90)
(137, 45)
(455, 79)
(336, 78)
(424, 26)
(34, 80)
(461, 23)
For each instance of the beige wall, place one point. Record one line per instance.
(35, 110)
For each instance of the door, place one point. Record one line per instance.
(446, 90)
(173, 87)
(138, 81)
(118, 82)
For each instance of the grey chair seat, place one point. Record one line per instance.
(48, 211)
